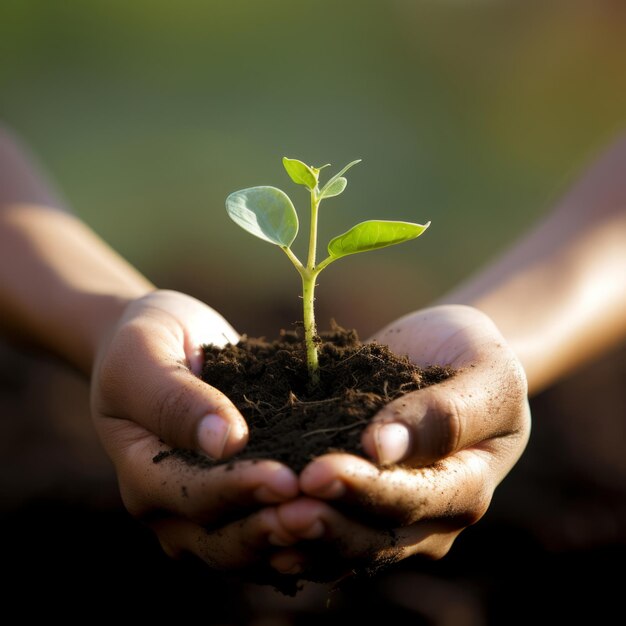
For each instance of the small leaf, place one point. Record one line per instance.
(317, 170)
(266, 212)
(372, 235)
(300, 172)
(332, 180)
(334, 189)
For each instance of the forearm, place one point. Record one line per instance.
(559, 295)
(61, 287)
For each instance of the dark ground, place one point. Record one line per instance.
(545, 552)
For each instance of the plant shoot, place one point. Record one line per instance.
(269, 214)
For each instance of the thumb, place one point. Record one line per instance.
(188, 413)
(425, 426)
(143, 378)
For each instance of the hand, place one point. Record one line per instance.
(146, 398)
(454, 442)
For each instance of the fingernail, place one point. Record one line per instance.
(213, 432)
(287, 563)
(392, 442)
(315, 531)
(284, 483)
(334, 489)
(196, 360)
(267, 495)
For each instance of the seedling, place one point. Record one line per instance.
(269, 214)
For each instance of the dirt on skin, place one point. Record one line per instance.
(288, 420)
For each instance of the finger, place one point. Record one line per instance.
(153, 480)
(145, 378)
(238, 546)
(458, 488)
(288, 561)
(485, 399)
(202, 325)
(347, 545)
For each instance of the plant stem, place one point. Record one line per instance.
(308, 297)
(310, 331)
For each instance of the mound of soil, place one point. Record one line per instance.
(293, 423)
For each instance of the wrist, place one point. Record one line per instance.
(100, 315)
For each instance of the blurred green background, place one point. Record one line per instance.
(474, 115)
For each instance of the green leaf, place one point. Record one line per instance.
(317, 170)
(338, 175)
(337, 187)
(300, 172)
(266, 212)
(372, 235)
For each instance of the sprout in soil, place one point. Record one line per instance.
(268, 213)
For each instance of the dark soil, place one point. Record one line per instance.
(293, 423)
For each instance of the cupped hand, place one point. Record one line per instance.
(437, 454)
(146, 399)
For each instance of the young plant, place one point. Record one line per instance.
(268, 213)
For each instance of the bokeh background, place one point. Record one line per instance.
(474, 115)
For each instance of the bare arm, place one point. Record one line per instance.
(559, 295)
(61, 286)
